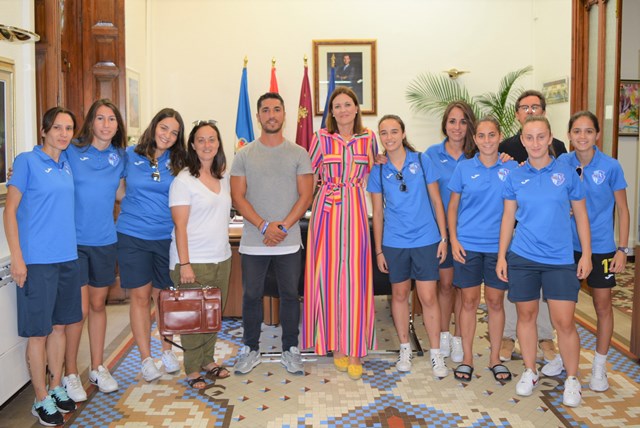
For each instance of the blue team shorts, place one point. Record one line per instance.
(419, 263)
(50, 296)
(478, 268)
(600, 277)
(97, 265)
(526, 278)
(448, 261)
(142, 261)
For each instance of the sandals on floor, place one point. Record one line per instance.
(500, 369)
(192, 382)
(218, 372)
(463, 373)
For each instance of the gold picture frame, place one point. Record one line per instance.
(7, 123)
(355, 65)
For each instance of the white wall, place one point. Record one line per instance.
(195, 51)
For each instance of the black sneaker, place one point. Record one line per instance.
(62, 400)
(47, 412)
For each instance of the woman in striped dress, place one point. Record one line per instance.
(338, 292)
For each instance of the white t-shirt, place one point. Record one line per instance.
(208, 224)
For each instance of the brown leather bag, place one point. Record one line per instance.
(190, 310)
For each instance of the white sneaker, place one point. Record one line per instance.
(247, 360)
(103, 380)
(457, 354)
(170, 361)
(572, 395)
(292, 361)
(149, 370)
(439, 367)
(599, 381)
(528, 381)
(74, 388)
(445, 343)
(554, 367)
(404, 360)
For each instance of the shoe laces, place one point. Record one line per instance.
(60, 393)
(103, 374)
(48, 405)
(437, 360)
(598, 371)
(73, 382)
(405, 354)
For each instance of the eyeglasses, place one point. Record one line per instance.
(403, 185)
(204, 122)
(155, 174)
(533, 108)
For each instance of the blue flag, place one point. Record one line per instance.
(244, 122)
(330, 89)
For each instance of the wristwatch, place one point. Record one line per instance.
(625, 250)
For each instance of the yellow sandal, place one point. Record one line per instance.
(354, 371)
(341, 363)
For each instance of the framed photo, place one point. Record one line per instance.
(133, 104)
(7, 123)
(556, 91)
(355, 66)
(628, 108)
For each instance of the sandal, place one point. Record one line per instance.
(500, 369)
(218, 372)
(194, 381)
(463, 372)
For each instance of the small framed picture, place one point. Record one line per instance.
(355, 66)
(628, 107)
(7, 123)
(133, 104)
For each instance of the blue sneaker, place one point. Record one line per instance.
(62, 400)
(47, 412)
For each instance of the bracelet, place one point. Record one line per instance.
(377, 254)
(184, 264)
(264, 228)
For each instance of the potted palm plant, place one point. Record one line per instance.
(431, 93)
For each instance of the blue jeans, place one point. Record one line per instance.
(287, 268)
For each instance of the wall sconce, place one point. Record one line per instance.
(17, 35)
(454, 73)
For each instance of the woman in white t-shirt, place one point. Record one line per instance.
(200, 252)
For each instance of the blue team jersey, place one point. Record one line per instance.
(601, 178)
(96, 176)
(45, 215)
(409, 220)
(445, 164)
(481, 203)
(544, 196)
(145, 212)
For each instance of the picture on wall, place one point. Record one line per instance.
(133, 104)
(556, 91)
(7, 124)
(355, 67)
(628, 107)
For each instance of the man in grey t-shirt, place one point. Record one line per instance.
(272, 187)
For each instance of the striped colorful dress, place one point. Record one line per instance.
(338, 286)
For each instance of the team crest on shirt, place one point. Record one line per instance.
(114, 159)
(598, 176)
(557, 178)
(413, 168)
(502, 173)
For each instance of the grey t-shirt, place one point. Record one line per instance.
(272, 190)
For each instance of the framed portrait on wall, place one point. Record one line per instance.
(7, 122)
(133, 104)
(628, 107)
(355, 67)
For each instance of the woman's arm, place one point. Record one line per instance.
(378, 223)
(180, 214)
(506, 233)
(584, 234)
(452, 217)
(619, 261)
(18, 267)
(121, 190)
(441, 220)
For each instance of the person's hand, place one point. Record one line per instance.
(274, 235)
(584, 267)
(501, 269)
(504, 157)
(187, 276)
(618, 262)
(381, 159)
(19, 272)
(382, 263)
(457, 251)
(442, 252)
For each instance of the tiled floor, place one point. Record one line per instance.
(269, 396)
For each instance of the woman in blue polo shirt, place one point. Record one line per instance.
(96, 157)
(144, 228)
(604, 183)
(458, 124)
(410, 235)
(40, 230)
(474, 214)
(540, 196)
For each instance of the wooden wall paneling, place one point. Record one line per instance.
(71, 43)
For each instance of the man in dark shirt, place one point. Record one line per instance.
(529, 103)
